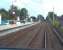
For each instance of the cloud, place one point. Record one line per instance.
(33, 6)
(36, 7)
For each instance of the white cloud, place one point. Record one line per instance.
(41, 6)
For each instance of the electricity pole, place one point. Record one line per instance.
(13, 11)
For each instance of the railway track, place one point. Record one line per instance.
(52, 39)
(37, 40)
(40, 39)
(10, 40)
(36, 36)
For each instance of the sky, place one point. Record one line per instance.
(35, 7)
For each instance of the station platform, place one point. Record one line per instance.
(9, 26)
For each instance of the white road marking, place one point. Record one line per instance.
(45, 40)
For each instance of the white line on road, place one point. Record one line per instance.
(45, 40)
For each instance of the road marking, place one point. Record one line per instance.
(45, 40)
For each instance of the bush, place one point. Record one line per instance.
(56, 24)
(61, 29)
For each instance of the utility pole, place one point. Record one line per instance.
(13, 11)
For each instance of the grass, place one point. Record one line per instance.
(56, 23)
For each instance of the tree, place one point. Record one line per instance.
(23, 13)
(40, 17)
(50, 15)
(15, 10)
(4, 14)
(33, 18)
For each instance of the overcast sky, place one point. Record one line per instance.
(36, 7)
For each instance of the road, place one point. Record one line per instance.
(40, 35)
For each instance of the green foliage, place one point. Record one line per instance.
(34, 19)
(51, 14)
(56, 24)
(40, 17)
(23, 13)
(14, 9)
(4, 13)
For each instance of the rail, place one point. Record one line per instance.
(45, 38)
